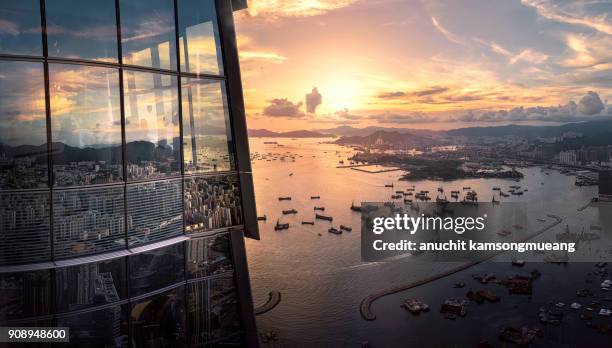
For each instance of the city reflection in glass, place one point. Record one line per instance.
(88, 221)
(211, 202)
(151, 125)
(82, 29)
(85, 124)
(154, 211)
(197, 312)
(23, 127)
(148, 34)
(20, 27)
(224, 310)
(209, 256)
(24, 227)
(25, 294)
(159, 321)
(90, 285)
(106, 327)
(199, 42)
(207, 140)
(152, 270)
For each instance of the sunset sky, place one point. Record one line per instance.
(424, 64)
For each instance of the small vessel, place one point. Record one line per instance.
(324, 217)
(284, 198)
(341, 162)
(396, 196)
(262, 218)
(355, 207)
(467, 188)
(389, 185)
(319, 208)
(346, 228)
(290, 174)
(407, 200)
(440, 189)
(496, 189)
(289, 211)
(280, 226)
(334, 231)
(307, 222)
(315, 197)
(399, 192)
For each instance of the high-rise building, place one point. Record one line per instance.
(125, 181)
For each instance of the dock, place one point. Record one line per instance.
(366, 302)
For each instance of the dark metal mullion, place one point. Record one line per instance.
(52, 272)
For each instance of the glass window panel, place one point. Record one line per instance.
(156, 269)
(82, 29)
(20, 27)
(224, 308)
(154, 211)
(106, 327)
(207, 139)
(151, 125)
(90, 284)
(85, 124)
(24, 227)
(26, 294)
(212, 202)
(197, 312)
(148, 34)
(159, 321)
(23, 125)
(209, 256)
(199, 42)
(88, 221)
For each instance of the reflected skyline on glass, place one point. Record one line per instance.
(151, 125)
(207, 140)
(148, 33)
(23, 126)
(82, 29)
(199, 42)
(20, 31)
(85, 124)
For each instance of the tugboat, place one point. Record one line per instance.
(334, 231)
(280, 226)
(262, 218)
(345, 228)
(319, 208)
(324, 217)
(355, 207)
(290, 211)
(284, 198)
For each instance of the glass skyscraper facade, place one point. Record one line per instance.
(125, 184)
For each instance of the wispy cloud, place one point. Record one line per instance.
(295, 8)
(447, 34)
(555, 12)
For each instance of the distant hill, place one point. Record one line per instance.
(395, 138)
(596, 128)
(353, 131)
(264, 133)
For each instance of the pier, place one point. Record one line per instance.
(366, 303)
(274, 298)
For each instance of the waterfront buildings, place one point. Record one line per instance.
(125, 185)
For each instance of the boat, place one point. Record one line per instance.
(262, 218)
(341, 162)
(284, 198)
(396, 196)
(290, 211)
(334, 231)
(440, 189)
(467, 188)
(315, 197)
(280, 226)
(346, 228)
(319, 208)
(389, 185)
(497, 189)
(307, 222)
(355, 207)
(290, 174)
(324, 217)
(399, 192)
(407, 200)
